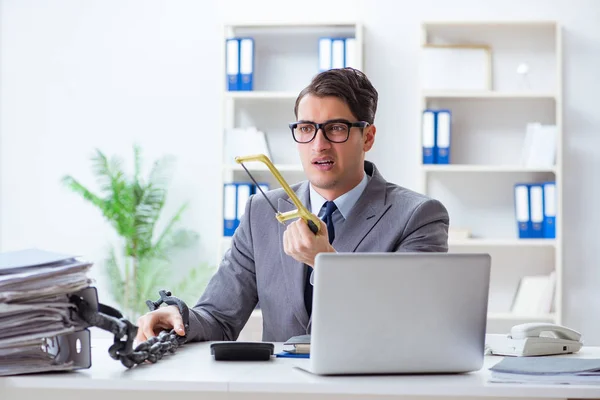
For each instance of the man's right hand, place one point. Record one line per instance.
(152, 323)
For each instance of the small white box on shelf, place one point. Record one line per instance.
(456, 67)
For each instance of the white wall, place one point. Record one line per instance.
(75, 75)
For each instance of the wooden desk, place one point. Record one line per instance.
(191, 373)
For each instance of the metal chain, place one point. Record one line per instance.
(153, 349)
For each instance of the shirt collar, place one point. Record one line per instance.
(344, 203)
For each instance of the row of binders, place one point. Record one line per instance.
(535, 210)
(436, 132)
(240, 63)
(335, 52)
(235, 197)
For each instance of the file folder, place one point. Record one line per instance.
(263, 186)
(337, 53)
(350, 56)
(324, 54)
(443, 127)
(247, 64)
(536, 213)
(428, 137)
(522, 211)
(244, 190)
(229, 208)
(549, 210)
(233, 64)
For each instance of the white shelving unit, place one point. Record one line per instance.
(488, 130)
(286, 58)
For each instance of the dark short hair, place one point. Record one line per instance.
(348, 84)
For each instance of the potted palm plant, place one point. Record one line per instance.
(142, 263)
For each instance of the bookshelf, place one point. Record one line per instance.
(286, 57)
(487, 137)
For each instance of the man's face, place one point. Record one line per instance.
(334, 168)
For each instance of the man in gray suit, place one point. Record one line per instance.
(271, 262)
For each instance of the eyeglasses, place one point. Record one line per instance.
(336, 131)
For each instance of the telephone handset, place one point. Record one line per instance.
(534, 329)
(535, 339)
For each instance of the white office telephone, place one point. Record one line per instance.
(535, 339)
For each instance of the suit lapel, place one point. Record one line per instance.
(367, 211)
(293, 270)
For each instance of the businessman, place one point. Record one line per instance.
(359, 209)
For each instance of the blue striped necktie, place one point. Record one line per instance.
(330, 208)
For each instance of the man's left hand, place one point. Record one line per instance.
(303, 245)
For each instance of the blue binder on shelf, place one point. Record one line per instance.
(549, 227)
(522, 212)
(229, 208)
(243, 192)
(338, 53)
(232, 61)
(536, 210)
(264, 186)
(246, 64)
(350, 57)
(428, 133)
(324, 54)
(443, 135)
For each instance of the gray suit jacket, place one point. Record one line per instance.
(386, 218)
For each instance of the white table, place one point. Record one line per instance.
(191, 373)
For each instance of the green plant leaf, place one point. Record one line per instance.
(132, 205)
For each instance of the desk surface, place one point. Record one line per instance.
(192, 369)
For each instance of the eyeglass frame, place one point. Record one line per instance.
(321, 126)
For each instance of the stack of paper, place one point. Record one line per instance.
(547, 370)
(35, 309)
(298, 344)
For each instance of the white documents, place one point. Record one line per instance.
(547, 370)
(539, 147)
(244, 142)
(35, 309)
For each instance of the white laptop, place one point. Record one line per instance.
(395, 313)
